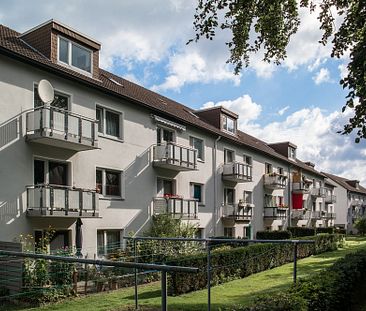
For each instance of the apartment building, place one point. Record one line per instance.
(350, 199)
(106, 154)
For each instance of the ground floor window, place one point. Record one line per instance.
(108, 241)
(229, 232)
(58, 240)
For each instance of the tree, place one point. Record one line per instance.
(360, 225)
(273, 22)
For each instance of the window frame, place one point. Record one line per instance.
(247, 157)
(105, 240)
(102, 194)
(61, 92)
(69, 175)
(251, 196)
(69, 56)
(191, 144)
(191, 186)
(292, 153)
(267, 164)
(226, 117)
(225, 199)
(120, 114)
(225, 157)
(162, 129)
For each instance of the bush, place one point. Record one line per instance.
(233, 263)
(340, 231)
(301, 231)
(273, 235)
(360, 225)
(329, 230)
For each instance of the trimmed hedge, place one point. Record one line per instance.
(273, 235)
(331, 289)
(329, 230)
(232, 263)
(301, 231)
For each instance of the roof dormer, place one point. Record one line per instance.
(220, 117)
(287, 149)
(65, 46)
(354, 183)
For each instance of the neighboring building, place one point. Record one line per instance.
(112, 153)
(350, 201)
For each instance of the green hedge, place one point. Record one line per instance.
(331, 289)
(329, 230)
(301, 231)
(232, 263)
(273, 235)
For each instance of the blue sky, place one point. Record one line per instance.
(144, 41)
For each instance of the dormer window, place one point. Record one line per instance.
(229, 124)
(74, 55)
(292, 153)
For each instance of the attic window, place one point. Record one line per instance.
(74, 55)
(292, 153)
(229, 124)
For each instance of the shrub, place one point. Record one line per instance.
(329, 230)
(360, 225)
(340, 231)
(273, 235)
(301, 231)
(233, 263)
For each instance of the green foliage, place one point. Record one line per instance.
(233, 263)
(268, 25)
(329, 230)
(301, 231)
(360, 225)
(273, 235)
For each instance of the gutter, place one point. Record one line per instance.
(215, 209)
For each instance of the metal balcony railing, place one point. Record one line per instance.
(330, 198)
(61, 128)
(318, 192)
(237, 172)
(275, 181)
(328, 215)
(316, 215)
(275, 212)
(300, 214)
(61, 201)
(300, 187)
(177, 207)
(240, 211)
(175, 157)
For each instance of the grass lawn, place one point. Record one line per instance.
(242, 291)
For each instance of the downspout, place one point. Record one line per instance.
(289, 187)
(214, 166)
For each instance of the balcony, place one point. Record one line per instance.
(318, 192)
(330, 199)
(300, 214)
(356, 202)
(61, 201)
(275, 212)
(316, 215)
(275, 181)
(176, 206)
(237, 172)
(300, 187)
(238, 212)
(175, 157)
(328, 215)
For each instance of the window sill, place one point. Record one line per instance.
(74, 68)
(200, 160)
(120, 140)
(110, 198)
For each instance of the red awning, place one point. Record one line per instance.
(297, 201)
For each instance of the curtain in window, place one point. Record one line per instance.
(57, 173)
(197, 193)
(112, 126)
(112, 183)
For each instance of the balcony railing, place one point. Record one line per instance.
(356, 202)
(300, 214)
(330, 198)
(175, 157)
(300, 187)
(61, 128)
(328, 215)
(177, 207)
(316, 215)
(237, 172)
(238, 212)
(275, 212)
(275, 181)
(61, 201)
(318, 192)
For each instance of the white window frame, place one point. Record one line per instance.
(191, 140)
(245, 158)
(166, 129)
(251, 196)
(223, 124)
(280, 170)
(292, 153)
(104, 123)
(102, 195)
(46, 168)
(225, 195)
(105, 243)
(69, 51)
(191, 186)
(265, 167)
(225, 158)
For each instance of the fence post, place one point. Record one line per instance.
(164, 302)
(136, 293)
(208, 276)
(295, 262)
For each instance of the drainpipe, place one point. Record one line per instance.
(214, 166)
(289, 187)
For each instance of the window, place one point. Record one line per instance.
(197, 144)
(268, 168)
(61, 100)
(108, 241)
(108, 182)
(197, 192)
(229, 196)
(248, 197)
(292, 153)
(50, 172)
(198, 233)
(229, 124)
(109, 122)
(229, 232)
(280, 201)
(164, 135)
(165, 187)
(280, 170)
(74, 55)
(229, 156)
(247, 160)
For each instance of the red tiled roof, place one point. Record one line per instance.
(11, 45)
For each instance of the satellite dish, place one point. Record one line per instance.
(46, 91)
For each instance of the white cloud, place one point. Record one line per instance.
(343, 70)
(322, 76)
(283, 110)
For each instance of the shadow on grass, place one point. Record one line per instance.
(145, 295)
